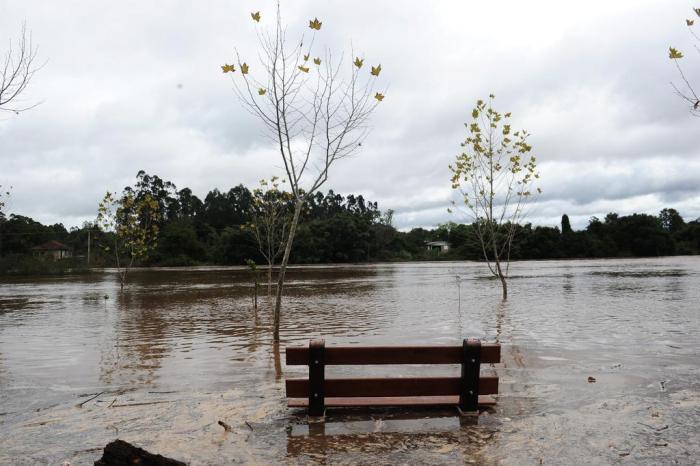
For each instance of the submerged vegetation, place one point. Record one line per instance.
(338, 228)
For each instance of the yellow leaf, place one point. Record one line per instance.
(315, 24)
(674, 54)
(262, 91)
(244, 68)
(317, 60)
(377, 70)
(379, 96)
(226, 68)
(306, 58)
(255, 16)
(358, 62)
(303, 68)
(689, 22)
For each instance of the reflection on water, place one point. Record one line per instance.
(398, 438)
(181, 349)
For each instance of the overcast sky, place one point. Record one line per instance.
(133, 85)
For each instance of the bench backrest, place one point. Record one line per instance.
(470, 355)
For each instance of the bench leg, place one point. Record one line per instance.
(317, 375)
(471, 369)
(320, 419)
(468, 419)
(467, 414)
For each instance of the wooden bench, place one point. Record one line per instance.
(467, 392)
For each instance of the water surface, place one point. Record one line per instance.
(82, 363)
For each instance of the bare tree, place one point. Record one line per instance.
(270, 221)
(686, 90)
(18, 68)
(495, 175)
(314, 113)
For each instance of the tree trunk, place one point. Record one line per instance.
(277, 360)
(283, 269)
(255, 294)
(501, 276)
(504, 283)
(269, 279)
(119, 269)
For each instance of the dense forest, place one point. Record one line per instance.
(337, 228)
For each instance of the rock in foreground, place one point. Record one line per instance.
(121, 453)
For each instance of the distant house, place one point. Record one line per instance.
(439, 246)
(54, 249)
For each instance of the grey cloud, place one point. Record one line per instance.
(135, 85)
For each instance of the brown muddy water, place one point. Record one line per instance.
(161, 363)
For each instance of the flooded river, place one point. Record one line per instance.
(179, 350)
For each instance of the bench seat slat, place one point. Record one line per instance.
(342, 402)
(363, 355)
(389, 387)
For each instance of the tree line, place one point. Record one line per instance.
(337, 228)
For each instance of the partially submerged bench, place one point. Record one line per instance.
(467, 392)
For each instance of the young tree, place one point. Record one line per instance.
(495, 176)
(134, 224)
(270, 222)
(686, 91)
(315, 112)
(16, 72)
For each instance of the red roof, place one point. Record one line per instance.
(52, 245)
